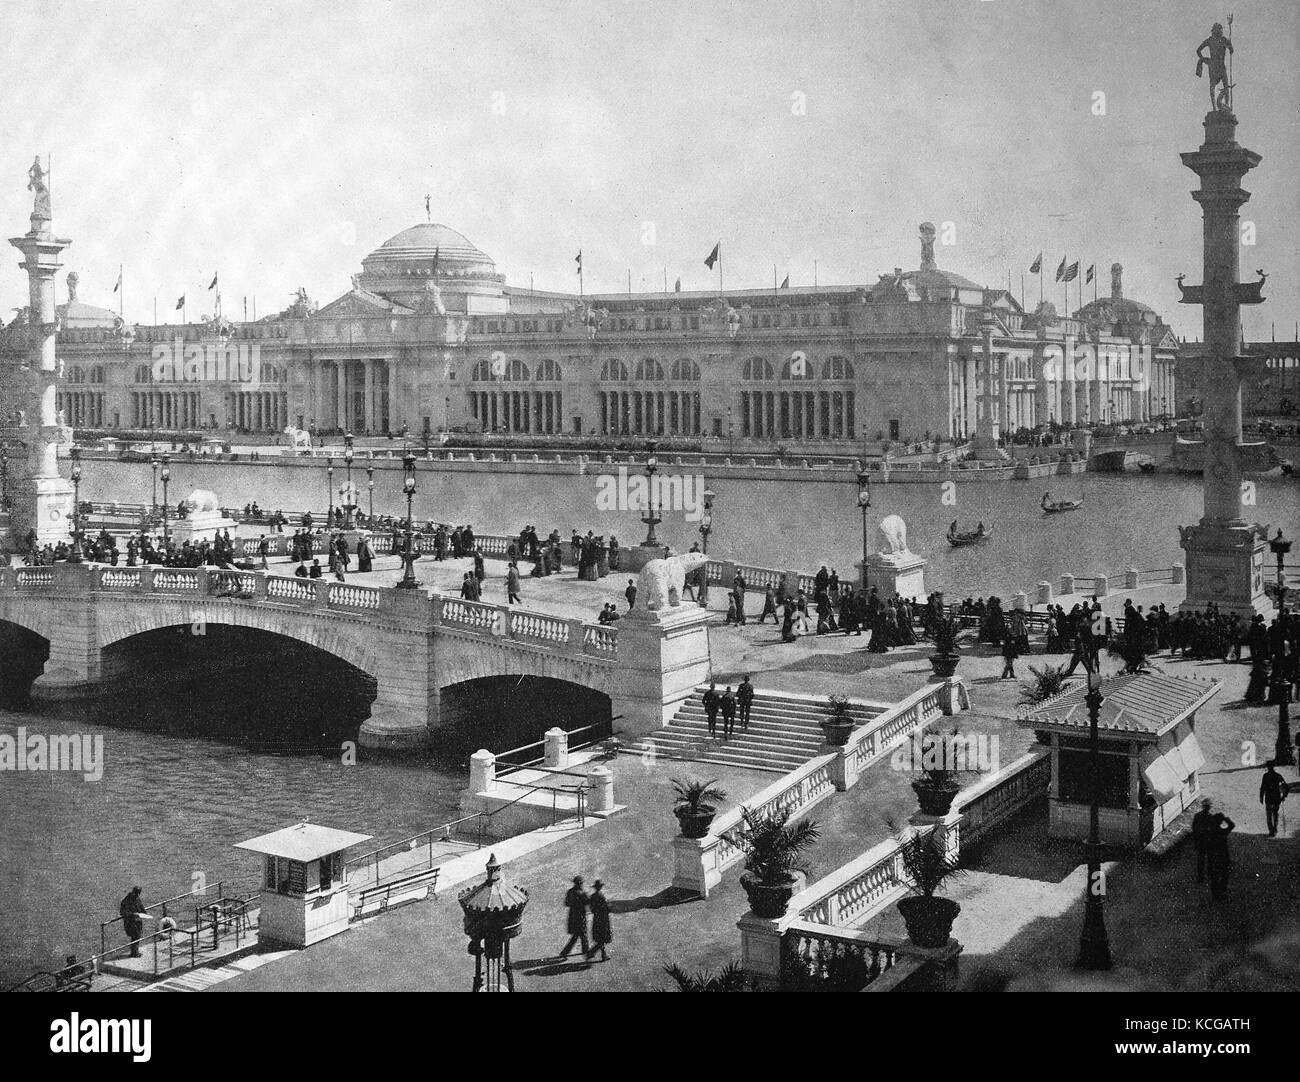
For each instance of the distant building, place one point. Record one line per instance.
(431, 338)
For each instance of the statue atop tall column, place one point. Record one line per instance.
(1212, 52)
(41, 213)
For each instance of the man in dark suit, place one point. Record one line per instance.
(710, 700)
(744, 699)
(728, 705)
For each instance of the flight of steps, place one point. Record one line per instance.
(783, 732)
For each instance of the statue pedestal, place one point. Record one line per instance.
(199, 526)
(1225, 564)
(635, 557)
(43, 504)
(662, 656)
(901, 573)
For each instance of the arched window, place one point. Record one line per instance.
(788, 370)
(516, 371)
(143, 374)
(482, 372)
(837, 368)
(549, 371)
(76, 374)
(649, 371)
(758, 370)
(686, 369)
(613, 370)
(97, 374)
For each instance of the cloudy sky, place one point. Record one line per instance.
(281, 142)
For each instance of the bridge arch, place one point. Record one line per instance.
(336, 634)
(24, 652)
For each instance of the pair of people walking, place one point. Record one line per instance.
(1210, 832)
(726, 703)
(579, 903)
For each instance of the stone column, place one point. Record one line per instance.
(370, 395)
(42, 500)
(1225, 554)
(340, 404)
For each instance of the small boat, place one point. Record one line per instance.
(969, 537)
(1055, 507)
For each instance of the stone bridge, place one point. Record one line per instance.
(413, 644)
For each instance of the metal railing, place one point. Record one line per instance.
(220, 887)
(370, 863)
(570, 733)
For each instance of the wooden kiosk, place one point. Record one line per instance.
(304, 887)
(1150, 759)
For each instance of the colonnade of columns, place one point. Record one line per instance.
(650, 413)
(166, 409)
(258, 411)
(81, 409)
(518, 411)
(357, 395)
(800, 415)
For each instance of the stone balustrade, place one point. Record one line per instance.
(700, 862)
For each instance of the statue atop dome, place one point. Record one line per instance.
(1117, 281)
(73, 279)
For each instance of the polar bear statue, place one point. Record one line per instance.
(201, 501)
(894, 531)
(661, 581)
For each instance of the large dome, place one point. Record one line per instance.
(420, 243)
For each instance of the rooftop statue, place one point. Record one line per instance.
(73, 279)
(1213, 51)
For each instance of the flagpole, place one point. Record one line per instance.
(1040, 278)
(121, 294)
(155, 309)
(719, 266)
(1022, 289)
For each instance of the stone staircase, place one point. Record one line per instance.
(783, 732)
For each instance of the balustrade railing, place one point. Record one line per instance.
(176, 578)
(343, 595)
(124, 578)
(820, 959)
(599, 639)
(29, 578)
(537, 627)
(282, 588)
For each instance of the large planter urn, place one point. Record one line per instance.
(768, 899)
(944, 665)
(929, 920)
(695, 822)
(836, 731)
(935, 796)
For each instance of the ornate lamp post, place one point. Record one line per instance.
(408, 486)
(650, 518)
(329, 492)
(1094, 945)
(864, 502)
(75, 556)
(166, 475)
(349, 508)
(370, 484)
(494, 915)
(706, 528)
(153, 507)
(1281, 688)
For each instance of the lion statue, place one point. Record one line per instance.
(894, 532)
(201, 501)
(661, 581)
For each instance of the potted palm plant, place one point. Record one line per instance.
(696, 805)
(928, 865)
(937, 787)
(772, 844)
(944, 660)
(838, 722)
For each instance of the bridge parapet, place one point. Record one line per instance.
(595, 641)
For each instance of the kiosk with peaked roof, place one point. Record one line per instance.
(1150, 758)
(304, 887)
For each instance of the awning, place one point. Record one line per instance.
(1167, 764)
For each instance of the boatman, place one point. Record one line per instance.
(133, 914)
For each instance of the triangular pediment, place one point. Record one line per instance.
(360, 303)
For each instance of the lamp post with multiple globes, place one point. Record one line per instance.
(408, 556)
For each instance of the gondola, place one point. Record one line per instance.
(1055, 507)
(958, 538)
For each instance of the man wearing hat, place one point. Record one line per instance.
(601, 933)
(576, 902)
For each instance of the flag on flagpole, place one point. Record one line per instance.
(1060, 271)
(180, 303)
(1037, 266)
(578, 260)
(786, 283)
(678, 287)
(119, 281)
(213, 283)
(1091, 272)
(1071, 272)
(714, 255)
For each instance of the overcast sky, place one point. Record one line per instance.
(281, 142)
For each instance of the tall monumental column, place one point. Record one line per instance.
(42, 500)
(1225, 554)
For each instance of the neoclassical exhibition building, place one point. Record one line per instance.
(431, 338)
